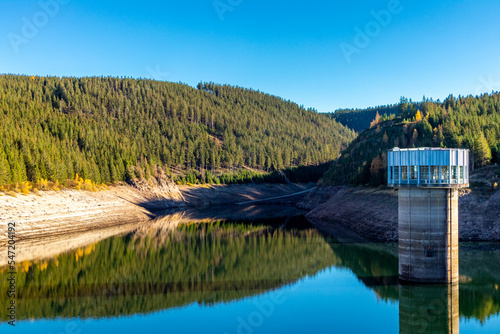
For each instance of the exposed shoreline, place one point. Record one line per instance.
(372, 213)
(56, 221)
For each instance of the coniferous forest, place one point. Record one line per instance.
(360, 119)
(110, 129)
(464, 122)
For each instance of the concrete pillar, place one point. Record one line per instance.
(428, 235)
(429, 309)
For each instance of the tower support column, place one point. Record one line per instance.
(428, 235)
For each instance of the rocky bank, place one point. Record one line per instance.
(372, 213)
(70, 211)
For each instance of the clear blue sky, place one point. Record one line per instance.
(288, 48)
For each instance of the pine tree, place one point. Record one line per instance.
(482, 151)
(385, 138)
(5, 174)
(414, 136)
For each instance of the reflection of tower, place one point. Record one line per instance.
(428, 309)
(428, 179)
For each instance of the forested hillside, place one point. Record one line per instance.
(464, 122)
(109, 129)
(360, 119)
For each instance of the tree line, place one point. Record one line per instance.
(464, 122)
(110, 129)
(360, 119)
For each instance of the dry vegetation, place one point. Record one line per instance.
(27, 187)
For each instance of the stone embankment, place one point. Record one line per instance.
(372, 213)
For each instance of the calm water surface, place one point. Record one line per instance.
(258, 275)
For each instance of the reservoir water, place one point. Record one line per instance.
(264, 273)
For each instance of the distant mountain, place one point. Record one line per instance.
(109, 129)
(360, 119)
(463, 122)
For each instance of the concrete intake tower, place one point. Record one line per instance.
(428, 180)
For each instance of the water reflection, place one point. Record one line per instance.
(156, 267)
(429, 309)
(173, 262)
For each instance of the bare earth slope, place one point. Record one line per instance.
(55, 222)
(373, 212)
(370, 212)
(69, 211)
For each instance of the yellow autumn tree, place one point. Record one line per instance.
(418, 116)
(375, 121)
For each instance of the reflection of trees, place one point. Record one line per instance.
(207, 263)
(373, 265)
(479, 302)
(480, 280)
(136, 274)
